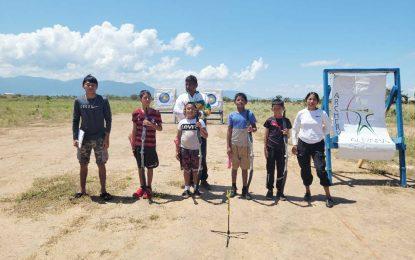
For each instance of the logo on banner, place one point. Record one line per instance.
(164, 98)
(211, 99)
(363, 115)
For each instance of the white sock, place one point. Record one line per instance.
(186, 187)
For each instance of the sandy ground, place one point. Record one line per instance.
(371, 219)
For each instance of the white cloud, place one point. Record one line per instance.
(320, 63)
(104, 49)
(214, 73)
(249, 73)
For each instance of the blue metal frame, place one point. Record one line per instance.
(395, 95)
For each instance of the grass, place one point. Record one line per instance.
(53, 195)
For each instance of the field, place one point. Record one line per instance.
(372, 217)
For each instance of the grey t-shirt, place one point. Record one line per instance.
(96, 117)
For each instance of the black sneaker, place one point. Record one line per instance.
(186, 193)
(233, 192)
(245, 194)
(197, 192)
(106, 196)
(269, 195)
(205, 184)
(281, 196)
(307, 197)
(329, 202)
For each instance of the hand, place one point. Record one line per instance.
(75, 143)
(229, 151)
(106, 142)
(147, 123)
(266, 152)
(285, 131)
(250, 129)
(294, 150)
(198, 125)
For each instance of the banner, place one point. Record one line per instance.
(214, 97)
(164, 98)
(358, 105)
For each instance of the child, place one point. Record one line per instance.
(188, 146)
(145, 123)
(95, 111)
(276, 134)
(240, 124)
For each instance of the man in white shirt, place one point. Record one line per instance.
(203, 106)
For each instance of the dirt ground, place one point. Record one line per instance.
(372, 218)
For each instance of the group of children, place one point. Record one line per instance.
(190, 131)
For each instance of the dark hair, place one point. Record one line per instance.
(91, 79)
(277, 101)
(314, 94)
(242, 95)
(190, 103)
(143, 92)
(191, 79)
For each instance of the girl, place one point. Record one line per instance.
(310, 127)
(275, 142)
(189, 133)
(146, 121)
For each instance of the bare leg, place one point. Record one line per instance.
(141, 172)
(186, 177)
(195, 177)
(149, 177)
(327, 191)
(102, 177)
(83, 173)
(307, 190)
(234, 173)
(244, 177)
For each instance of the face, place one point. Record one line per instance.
(312, 102)
(146, 99)
(190, 111)
(240, 102)
(90, 88)
(190, 86)
(277, 109)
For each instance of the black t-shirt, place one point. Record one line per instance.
(275, 127)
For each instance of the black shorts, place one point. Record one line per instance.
(151, 159)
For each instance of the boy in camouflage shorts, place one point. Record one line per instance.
(95, 112)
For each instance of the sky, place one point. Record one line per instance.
(264, 48)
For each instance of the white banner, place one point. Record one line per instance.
(358, 105)
(164, 98)
(215, 99)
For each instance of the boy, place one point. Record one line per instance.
(240, 124)
(94, 110)
(148, 120)
(188, 147)
(275, 142)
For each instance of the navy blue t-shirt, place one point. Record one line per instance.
(275, 127)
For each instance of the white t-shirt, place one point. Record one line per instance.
(311, 126)
(185, 98)
(189, 138)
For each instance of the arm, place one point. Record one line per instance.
(75, 122)
(108, 123)
(265, 142)
(132, 135)
(229, 141)
(177, 142)
(178, 108)
(294, 131)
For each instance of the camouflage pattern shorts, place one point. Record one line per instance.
(84, 153)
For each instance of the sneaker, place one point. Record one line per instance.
(269, 195)
(281, 196)
(205, 184)
(197, 192)
(245, 194)
(307, 197)
(139, 193)
(106, 196)
(186, 193)
(233, 192)
(329, 202)
(147, 194)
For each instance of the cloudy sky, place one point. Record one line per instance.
(264, 48)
